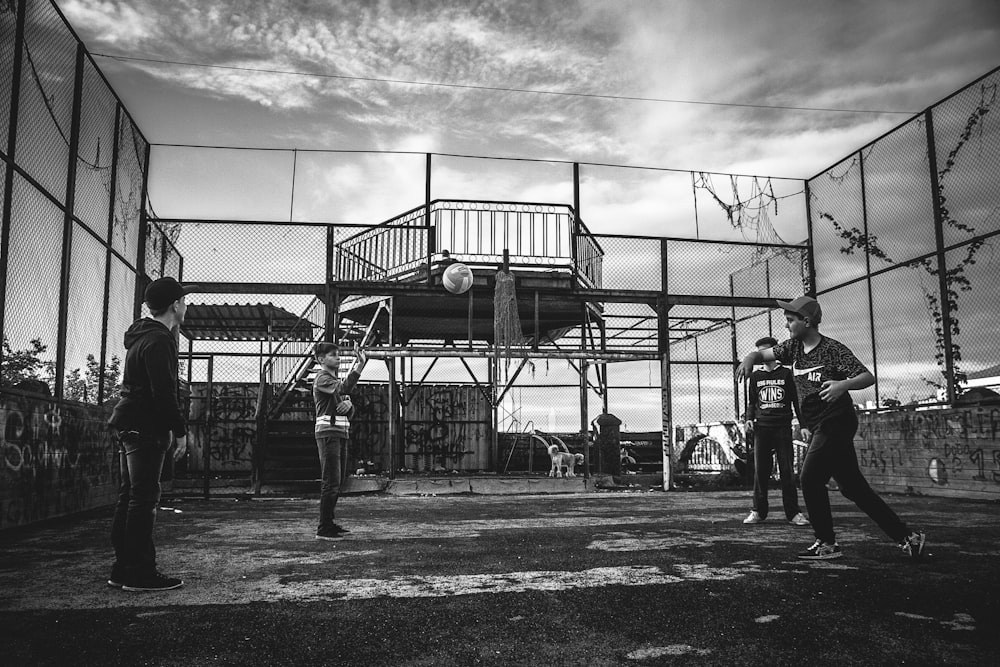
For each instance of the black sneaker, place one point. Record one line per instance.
(329, 533)
(117, 578)
(152, 582)
(913, 545)
(340, 529)
(821, 551)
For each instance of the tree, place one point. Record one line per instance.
(85, 387)
(23, 364)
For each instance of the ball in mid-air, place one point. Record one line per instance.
(457, 278)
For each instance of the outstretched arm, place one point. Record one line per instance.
(756, 357)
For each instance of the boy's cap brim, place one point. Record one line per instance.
(164, 291)
(805, 306)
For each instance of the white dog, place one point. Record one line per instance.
(560, 459)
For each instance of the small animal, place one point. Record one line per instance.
(560, 459)
(627, 460)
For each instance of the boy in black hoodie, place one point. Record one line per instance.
(146, 419)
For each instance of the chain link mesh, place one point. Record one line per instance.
(899, 200)
(84, 323)
(32, 300)
(120, 310)
(46, 103)
(8, 22)
(974, 299)
(95, 154)
(909, 330)
(837, 219)
(276, 253)
(38, 208)
(128, 190)
(904, 338)
(846, 318)
(967, 145)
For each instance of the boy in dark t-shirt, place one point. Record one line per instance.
(825, 371)
(772, 398)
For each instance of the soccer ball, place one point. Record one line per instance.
(457, 278)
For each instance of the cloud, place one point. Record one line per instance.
(113, 23)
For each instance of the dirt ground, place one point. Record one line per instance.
(605, 578)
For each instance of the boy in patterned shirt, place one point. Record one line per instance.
(825, 371)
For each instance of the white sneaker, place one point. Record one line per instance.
(799, 520)
(754, 517)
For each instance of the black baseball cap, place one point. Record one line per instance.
(164, 291)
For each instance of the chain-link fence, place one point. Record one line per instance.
(74, 174)
(904, 235)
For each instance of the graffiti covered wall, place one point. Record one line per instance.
(944, 452)
(447, 427)
(58, 458)
(228, 424)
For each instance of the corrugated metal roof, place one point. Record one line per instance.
(251, 321)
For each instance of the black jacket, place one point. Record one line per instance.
(149, 382)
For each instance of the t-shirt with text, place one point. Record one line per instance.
(830, 360)
(772, 395)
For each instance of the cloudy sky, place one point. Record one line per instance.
(899, 55)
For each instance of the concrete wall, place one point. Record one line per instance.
(951, 452)
(58, 458)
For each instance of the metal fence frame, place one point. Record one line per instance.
(862, 237)
(126, 204)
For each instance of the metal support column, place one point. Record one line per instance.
(8, 183)
(868, 272)
(67, 246)
(108, 257)
(942, 264)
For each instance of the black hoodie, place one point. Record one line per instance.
(149, 382)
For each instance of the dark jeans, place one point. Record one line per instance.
(141, 459)
(831, 454)
(777, 441)
(332, 453)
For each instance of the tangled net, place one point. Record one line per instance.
(506, 321)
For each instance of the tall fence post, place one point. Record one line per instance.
(810, 263)
(868, 271)
(8, 182)
(431, 240)
(67, 246)
(108, 256)
(942, 264)
(575, 233)
(666, 397)
(140, 258)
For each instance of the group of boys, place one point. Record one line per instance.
(818, 374)
(815, 381)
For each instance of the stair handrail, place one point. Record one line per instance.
(267, 368)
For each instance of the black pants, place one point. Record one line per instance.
(332, 454)
(141, 460)
(831, 454)
(774, 441)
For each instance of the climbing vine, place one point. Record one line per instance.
(955, 278)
